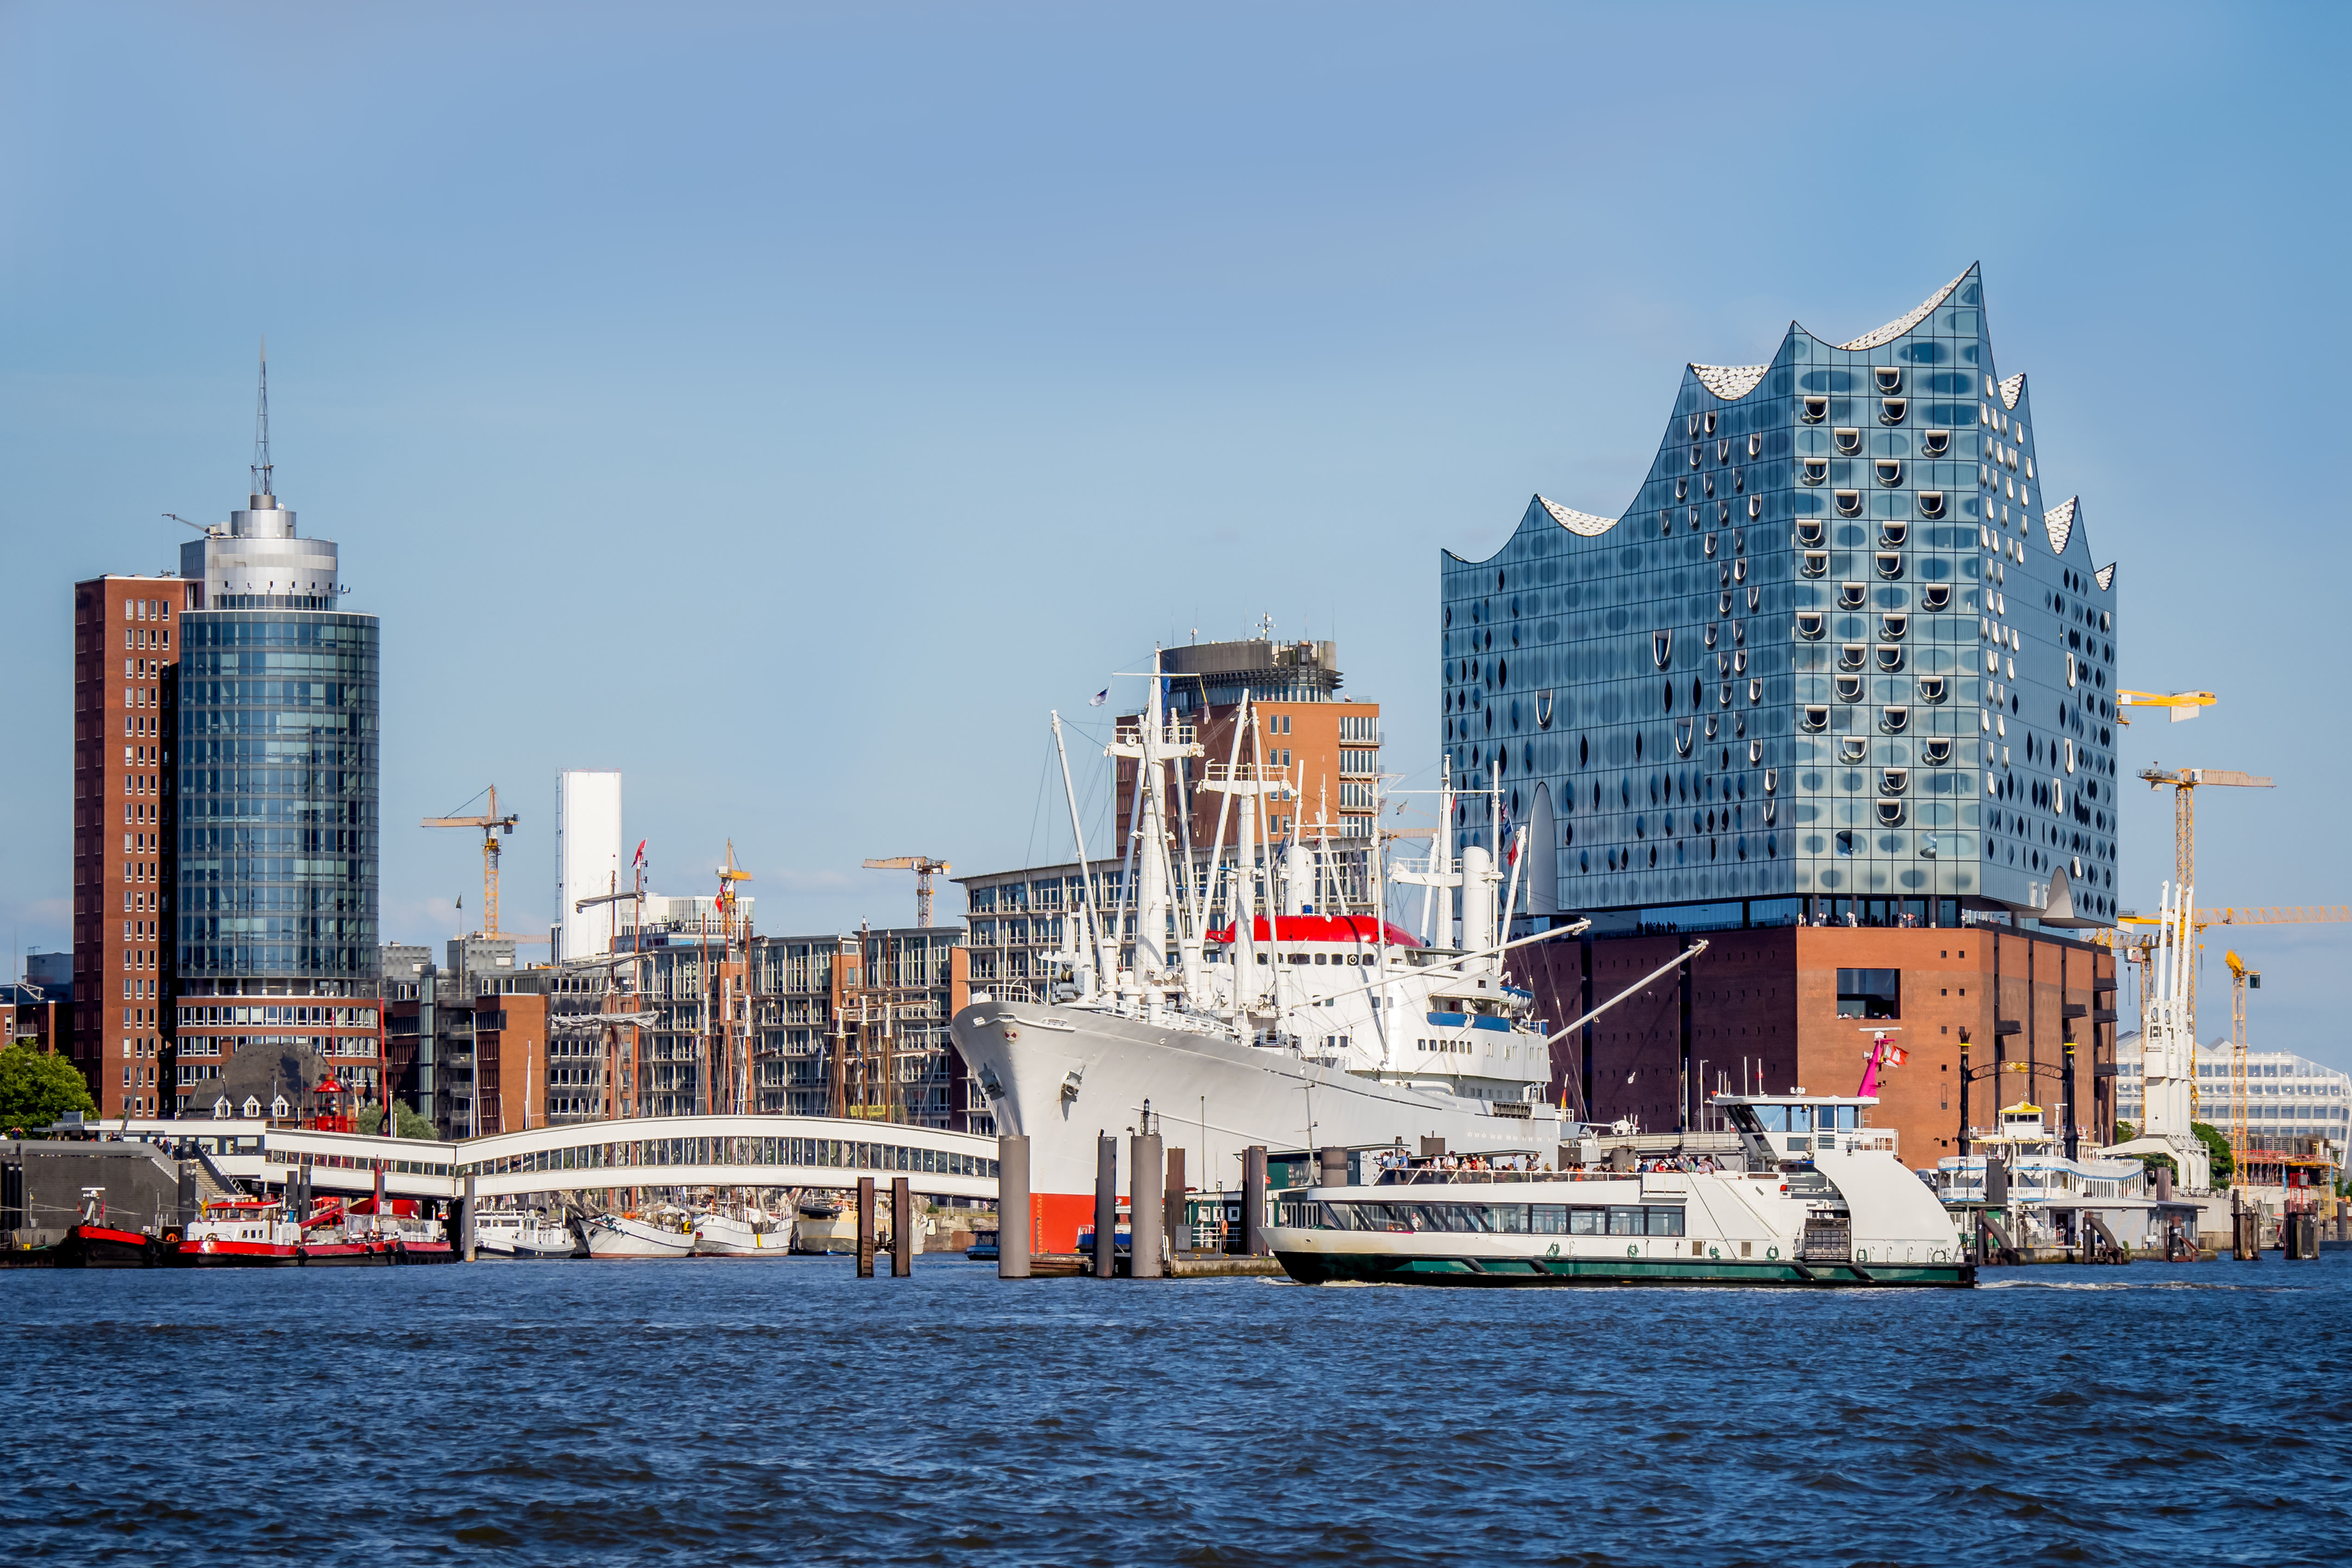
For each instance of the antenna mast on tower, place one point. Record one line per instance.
(265, 494)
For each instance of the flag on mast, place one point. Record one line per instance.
(1099, 698)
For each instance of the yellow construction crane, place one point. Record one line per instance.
(924, 867)
(492, 826)
(2184, 705)
(2240, 979)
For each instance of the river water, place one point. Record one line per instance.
(766, 1412)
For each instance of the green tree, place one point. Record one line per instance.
(2216, 1145)
(37, 1087)
(408, 1125)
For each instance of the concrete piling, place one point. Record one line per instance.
(1012, 1205)
(902, 1228)
(1106, 1205)
(866, 1228)
(1145, 1199)
(1254, 1202)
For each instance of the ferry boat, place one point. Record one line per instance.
(663, 1233)
(523, 1238)
(240, 1232)
(1291, 1026)
(745, 1233)
(1836, 1212)
(2050, 1199)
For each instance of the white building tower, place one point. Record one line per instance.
(587, 860)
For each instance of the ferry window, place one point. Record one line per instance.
(1584, 1221)
(1665, 1222)
(1772, 1118)
(1625, 1222)
(1508, 1217)
(1548, 1219)
(1869, 993)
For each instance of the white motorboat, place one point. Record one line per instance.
(505, 1233)
(748, 1233)
(1840, 1211)
(1286, 1027)
(663, 1233)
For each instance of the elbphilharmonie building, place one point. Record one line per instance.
(1843, 654)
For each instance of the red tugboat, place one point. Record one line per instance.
(92, 1243)
(337, 1236)
(240, 1232)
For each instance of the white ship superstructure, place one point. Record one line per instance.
(1290, 1023)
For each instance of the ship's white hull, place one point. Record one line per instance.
(614, 1236)
(723, 1236)
(1063, 1075)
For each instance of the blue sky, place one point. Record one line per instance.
(788, 407)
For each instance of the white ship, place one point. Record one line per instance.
(511, 1234)
(1291, 1025)
(748, 1232)
(664, 1233)
(1836, 1209)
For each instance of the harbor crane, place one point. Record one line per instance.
(2184, 706)
(493, 826)
(925, 868)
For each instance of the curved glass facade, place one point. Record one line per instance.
(1792, 670)
(277, 771)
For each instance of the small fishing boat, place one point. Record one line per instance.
(240, 1232)
(522, 1237)
(660, 1233)
(748, 1232)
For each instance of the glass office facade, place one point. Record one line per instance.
(1841, 654)
(277, 769)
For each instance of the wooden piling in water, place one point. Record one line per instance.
(1012, 1205)
(1106, 1205)
(902, 1228)
(866, 1228)
(1253, 1201)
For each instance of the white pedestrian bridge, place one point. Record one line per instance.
(590, 1156)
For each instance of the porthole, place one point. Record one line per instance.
(1814, 470)
(1851, 595)
(1810, 623)
(1848, 442)
(1889, 378)
(1894, 720)
(1891, 409)
(1893, 532)
(1815, 719)
(1890, 565)
(1931, 503)
(1935, 442)
(1849, 503)
(1814, 409)
(1889, 470)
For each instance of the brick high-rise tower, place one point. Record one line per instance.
(127, 641)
